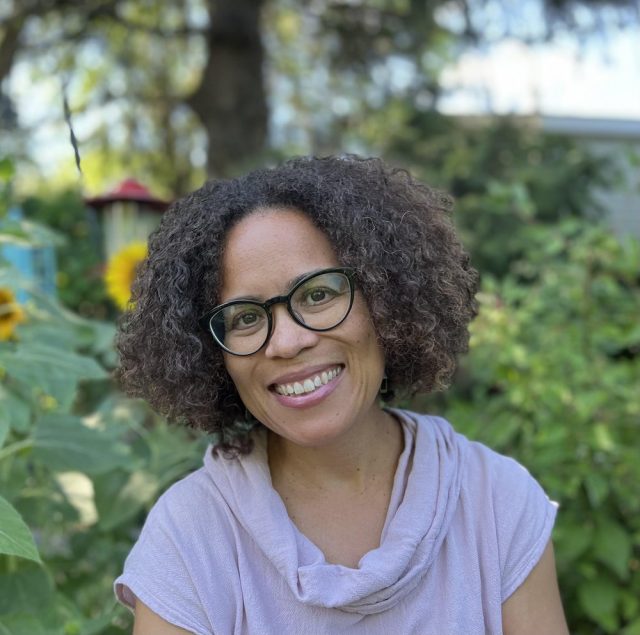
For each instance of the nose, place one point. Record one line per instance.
(288, 338)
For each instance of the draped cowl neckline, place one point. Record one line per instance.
(424, 497)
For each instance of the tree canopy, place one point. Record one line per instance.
(176, 90)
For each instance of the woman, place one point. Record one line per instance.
(276, 311)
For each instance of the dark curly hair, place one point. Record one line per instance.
(393, 230)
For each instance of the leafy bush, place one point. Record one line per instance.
(552, 379)
(79, 467)
(505, 178)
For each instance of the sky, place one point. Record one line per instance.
(600, 80)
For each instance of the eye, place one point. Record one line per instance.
(246, 319)
(318, 295)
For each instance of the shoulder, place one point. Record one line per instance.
(510, 500)
(502, 507)
(182, 517)
(503, 475)
(484, 470)
(187, 514)
(195, 493)
(186, 540)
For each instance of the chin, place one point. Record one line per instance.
(311, 432)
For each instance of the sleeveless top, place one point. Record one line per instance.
(218, 553)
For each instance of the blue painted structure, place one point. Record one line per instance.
(35, 263)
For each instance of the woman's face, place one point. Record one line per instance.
(263, 253)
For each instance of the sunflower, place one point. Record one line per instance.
(11, 313)
(121, 271)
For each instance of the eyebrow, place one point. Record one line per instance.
(290, 284)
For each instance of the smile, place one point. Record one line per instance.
(308, 385)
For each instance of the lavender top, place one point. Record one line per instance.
(218, 553)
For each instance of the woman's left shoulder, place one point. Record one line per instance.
(514, 490)
(484, 468)
(502, 510)
(509, 500)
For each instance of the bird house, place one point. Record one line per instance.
(127, 213)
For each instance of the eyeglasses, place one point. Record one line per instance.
(319, 302)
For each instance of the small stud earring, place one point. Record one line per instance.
(247, 423)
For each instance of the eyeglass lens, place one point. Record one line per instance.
(319, 303)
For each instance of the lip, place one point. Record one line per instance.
(303, 373)
(307, 400)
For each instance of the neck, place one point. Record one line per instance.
(363, 455)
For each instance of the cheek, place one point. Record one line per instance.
(239, 371)
(367, 344)
(368, 337)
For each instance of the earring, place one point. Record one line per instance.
(247, 423)
(384, 386)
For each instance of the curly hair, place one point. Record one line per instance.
(393, 230)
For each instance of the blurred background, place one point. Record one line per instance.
(527, 112)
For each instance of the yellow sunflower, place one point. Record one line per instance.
(11, 313)
(121, 271)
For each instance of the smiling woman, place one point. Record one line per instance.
(279, 311)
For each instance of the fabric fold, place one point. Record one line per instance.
(417, 522)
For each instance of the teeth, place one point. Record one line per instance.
(308, 385)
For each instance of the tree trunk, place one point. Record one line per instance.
(230, 100)
(10, 43)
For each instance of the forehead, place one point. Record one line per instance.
(270, 247)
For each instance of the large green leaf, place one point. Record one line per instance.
(29, 605)
(86, 334)
(14, 411)
(15, 537)
(65, 443)
(598, 599)
(572, 539)
(597, 488)
(93, 626)
(119, 497)
(47, 332)
(50, 369)
(612, 546)
(4, 429)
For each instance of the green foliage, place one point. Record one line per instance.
(15, 538)
(79, 257)
(552, 379)
(80, 465)
(505, 178)
(6, 172)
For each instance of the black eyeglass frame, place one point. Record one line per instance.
(205, 320)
